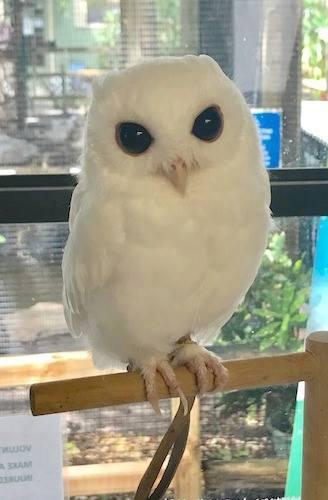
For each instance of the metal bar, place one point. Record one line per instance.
(46, 198)
(37, 205)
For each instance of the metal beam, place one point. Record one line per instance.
(46, 198)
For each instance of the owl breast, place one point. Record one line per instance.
(185, 264)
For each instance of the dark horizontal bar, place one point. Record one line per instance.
(28, 205)
(46, 198)
(298, 174)
(35, 198)
(299, 192)
(44, 181)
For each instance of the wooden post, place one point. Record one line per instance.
(315, 452)
(188, 478)
(121, 388)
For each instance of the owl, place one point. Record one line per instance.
(169, 220)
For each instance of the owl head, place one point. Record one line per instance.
(166, 117)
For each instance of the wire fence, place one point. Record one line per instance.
(51, 51)
(49, 54)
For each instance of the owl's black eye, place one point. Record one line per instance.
(209, 124)
(133, 138)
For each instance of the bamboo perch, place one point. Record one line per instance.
(122, 388)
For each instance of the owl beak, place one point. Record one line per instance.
(178, 175)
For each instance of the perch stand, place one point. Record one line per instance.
(310, 366)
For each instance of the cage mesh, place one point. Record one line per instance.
(50, 51)
(32, 322)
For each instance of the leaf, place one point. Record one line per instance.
(285, 323)
(297, 265)
(287, 296)
(300, 318)
(268, 329)
(266, 343)
(299, 301)
(266, 313)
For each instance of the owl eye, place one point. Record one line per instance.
(209, 124)
(133, 138)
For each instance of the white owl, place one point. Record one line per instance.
(169, 220)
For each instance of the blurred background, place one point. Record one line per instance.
(275, 50)
(277, 53)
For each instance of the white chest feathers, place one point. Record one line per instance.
(178, 265)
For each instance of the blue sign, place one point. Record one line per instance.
(76, 66)
(268, 122)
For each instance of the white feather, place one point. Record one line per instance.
(144, 265)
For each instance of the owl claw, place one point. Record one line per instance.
(148, 371)
(196, 358)
(200, 362)
(154, 403)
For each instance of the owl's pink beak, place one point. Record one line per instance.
(178, 175)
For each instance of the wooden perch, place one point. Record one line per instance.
(310, 366)
(122, 388)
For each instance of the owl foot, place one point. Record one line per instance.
(148, 372)
(200, 361)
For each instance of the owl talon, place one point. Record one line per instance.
(154, 403)
(148, 371)
(167, 372)
(200, 362)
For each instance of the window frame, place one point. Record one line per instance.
(46, 198)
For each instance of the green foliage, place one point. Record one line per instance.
(64, 5)
(280, 408)
(315, 21)
(279, 404)
(241, 401)
(227, 454)
(109, 36)
(274, 309)
(272, 314)
(71, 448)
(169, 25)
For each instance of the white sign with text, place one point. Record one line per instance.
(31, 458)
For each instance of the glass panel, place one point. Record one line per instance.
(52, 50)
(31, 284)
(274, 314)
(245, 436)
(31, 313)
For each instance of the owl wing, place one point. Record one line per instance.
(87, 260)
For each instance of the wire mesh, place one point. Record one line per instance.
(234, 429)
(51, 51)
(49, 54)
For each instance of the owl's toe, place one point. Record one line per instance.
(148, 370)
(210, 373)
